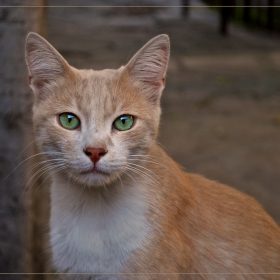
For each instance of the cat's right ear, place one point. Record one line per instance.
(45, 65)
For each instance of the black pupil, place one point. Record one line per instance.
(123, 119)
(70, 118)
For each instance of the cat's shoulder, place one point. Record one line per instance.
(227, 206)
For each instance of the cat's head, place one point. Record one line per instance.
(90, 124)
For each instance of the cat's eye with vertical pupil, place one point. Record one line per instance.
(123, 122)
(69, 121)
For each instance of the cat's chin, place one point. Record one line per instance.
(95, 172)
(94, 178)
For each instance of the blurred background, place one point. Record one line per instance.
(221, 105)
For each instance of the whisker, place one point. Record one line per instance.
(36, 165)
(150, 159)
(104, 185)
(69, 179)
(143, 174)
(42, 170)
(124, 171)
(144, 168)
(160, 144)
(38, 154)
(120, 180)
(57, 169)
(154, 163)
(39, 172)
(154, 159)
(24, 149)
(150, 156)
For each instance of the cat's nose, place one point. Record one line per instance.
(95, 153)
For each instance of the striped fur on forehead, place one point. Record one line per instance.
(95, 93)
(110, 90)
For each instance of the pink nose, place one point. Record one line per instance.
(95, 154)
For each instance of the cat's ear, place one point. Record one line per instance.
(149, 65)
(45, 65)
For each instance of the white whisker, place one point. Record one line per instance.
(39, 172)
(57, 170)
(146, 176)
(42, 170)
(24, 149)
(136, 165)
(38, 154)
(120, 180)
(124, 171)
(36, 165)
(151, 161)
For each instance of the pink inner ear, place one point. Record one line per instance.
(158, 83)
(158, 86)
(37, 86)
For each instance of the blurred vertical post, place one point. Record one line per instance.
(15, 124)
(224, 16)
(270, 15)
(259, 11)
(247, 11)
(185, 9)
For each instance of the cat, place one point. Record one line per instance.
(121, 208)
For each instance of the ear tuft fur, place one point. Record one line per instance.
(45, 64)
(149, 65)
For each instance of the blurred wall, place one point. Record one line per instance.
(16, 133)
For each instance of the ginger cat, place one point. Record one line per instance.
(120, 207)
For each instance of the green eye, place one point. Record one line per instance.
(123, 122)
(69, 121)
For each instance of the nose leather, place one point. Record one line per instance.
(95, 153)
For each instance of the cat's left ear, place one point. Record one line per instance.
(148, 67)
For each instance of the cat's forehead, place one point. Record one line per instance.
(97, 95)
(101, 94)
(96, 84)
(96, 91)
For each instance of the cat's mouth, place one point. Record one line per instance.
(95, 170)
(95, 176)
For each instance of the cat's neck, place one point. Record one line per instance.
(106, 225)
(75, 199)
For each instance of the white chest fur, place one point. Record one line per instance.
(95, 232)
